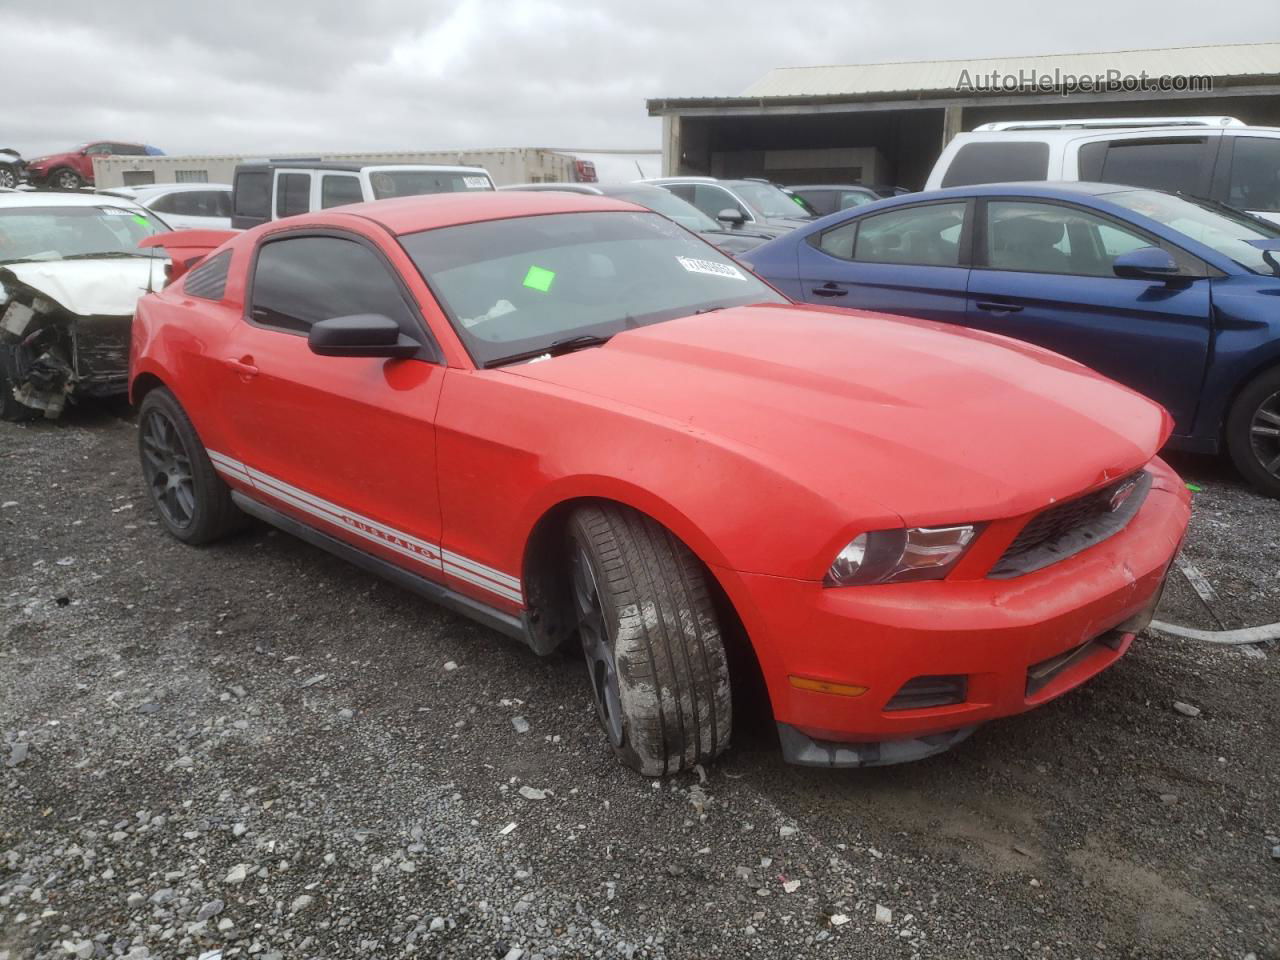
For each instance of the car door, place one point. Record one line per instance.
(344, 444)
(910, 260)
(1043, 273)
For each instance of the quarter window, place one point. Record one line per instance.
(293, 194)
(926, 235)
(1255, 174)
(1050, 238)
(300, 280)
(1010, 160)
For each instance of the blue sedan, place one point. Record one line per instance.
(1177, 298)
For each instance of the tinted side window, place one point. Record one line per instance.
(1050, 238)
(337, 189)
(166, 204)
(293, 194)
(196, 203)
(682, 190)
(711, 200)
(253, 194)
(927, 235)
(1010, 160)
(1177, 165)
(1255, 174)
(300, 280)
(823, 201)
(209, 280)
(222, 203)
(838, 241)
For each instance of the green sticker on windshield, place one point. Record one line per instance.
(539, 278)
(139, 218)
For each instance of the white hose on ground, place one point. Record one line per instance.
(1268, 631)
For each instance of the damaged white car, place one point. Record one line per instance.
(71, 273)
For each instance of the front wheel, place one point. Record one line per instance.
(8, 176)
(649, 631)
(66, 179)
(193, 503)
(1253, 432)
(10, 409)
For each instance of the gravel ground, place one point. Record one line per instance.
(257, 749)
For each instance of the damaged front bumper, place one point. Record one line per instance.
(49, 355)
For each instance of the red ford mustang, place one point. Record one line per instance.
(566, 416)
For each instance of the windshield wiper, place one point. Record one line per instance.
(553, 349)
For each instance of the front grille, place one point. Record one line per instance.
(1069, 527)
(922, 692)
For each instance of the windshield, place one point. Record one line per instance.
(770, 201)
(1219, 228)
(519, 285)
(670, 206)
(60, 233)
(413, 183)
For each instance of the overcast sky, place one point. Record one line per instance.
(282, 76)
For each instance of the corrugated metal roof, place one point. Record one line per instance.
(1236, 60)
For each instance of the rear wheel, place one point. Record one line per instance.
(1253, 432)
(654, 652)
(64, 178)
(8, 176)
(193, 503)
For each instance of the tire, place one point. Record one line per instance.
(10, 409)
(8, 176)
(64, 178)
(654, 651)
(1253, 432)
(192, 501)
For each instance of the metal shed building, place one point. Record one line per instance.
(887, 122)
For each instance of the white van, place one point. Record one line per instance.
(1218, 158)
(284, 188)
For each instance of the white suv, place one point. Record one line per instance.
(1219, 158)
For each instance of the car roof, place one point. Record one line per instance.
(403, 215)
(830, 186)
(1049, 189)
(345, 167)
(146, 189)
(42, 198)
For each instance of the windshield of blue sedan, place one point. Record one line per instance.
(527, 284)
(63, 233)
(1219, 228)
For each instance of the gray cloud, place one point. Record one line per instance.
(401, 74)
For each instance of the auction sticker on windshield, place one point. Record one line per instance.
(711, 268)
(476, 183)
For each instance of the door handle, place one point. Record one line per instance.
(243, 366)
(994, 307)
(830, 289)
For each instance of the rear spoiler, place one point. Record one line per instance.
(186, 248)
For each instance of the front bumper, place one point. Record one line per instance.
(1015, 643)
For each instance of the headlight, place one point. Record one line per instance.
(895, 556)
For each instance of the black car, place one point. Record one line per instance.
(827, 198)
(11, 168)
(731, 241)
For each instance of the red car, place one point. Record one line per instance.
(565, 415)
(74, 169)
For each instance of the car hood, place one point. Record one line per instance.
(97, 288)
(933, 423)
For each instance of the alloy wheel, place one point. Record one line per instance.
(596, 646)
(167, 467)
(7, 177)
(68, 180)
(1264, 433)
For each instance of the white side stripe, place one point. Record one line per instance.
(423, 552)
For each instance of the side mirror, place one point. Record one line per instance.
(360, 335)
(1145, 263)
(732, 216)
